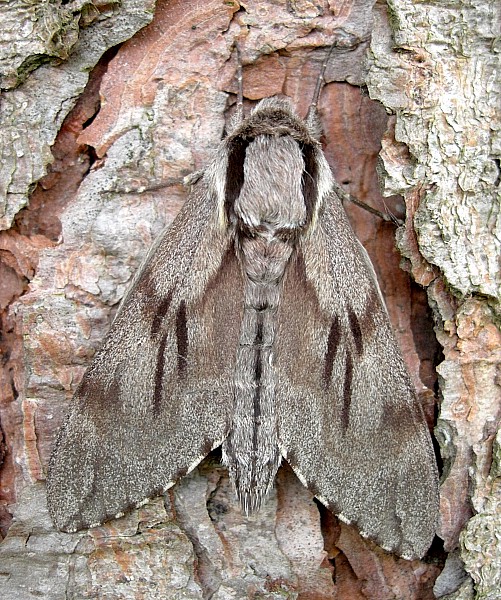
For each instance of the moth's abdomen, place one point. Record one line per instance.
(251, 449)
(267, 212)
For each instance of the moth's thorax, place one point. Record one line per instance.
(271, 196)
(271, 176)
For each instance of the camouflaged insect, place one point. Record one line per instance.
(256, 324)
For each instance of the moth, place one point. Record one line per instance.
(255, 323)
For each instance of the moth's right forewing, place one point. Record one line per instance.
(157, 396)
(348, 419)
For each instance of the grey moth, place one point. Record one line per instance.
(256, 324)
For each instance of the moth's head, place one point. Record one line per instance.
(276, 116)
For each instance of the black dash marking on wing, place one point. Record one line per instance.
(368, 321)
(332, 346)
(159, 375)
(160, 313)
(356, 331)
(348, 377)
(181, 338)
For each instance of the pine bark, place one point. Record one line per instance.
(106, 106)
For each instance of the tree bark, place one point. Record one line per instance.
(106, 107)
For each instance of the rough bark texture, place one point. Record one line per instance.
(442, 82)
(108, 153)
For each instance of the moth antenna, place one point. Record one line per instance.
(312, 111)
(346, 197)
(240, 92)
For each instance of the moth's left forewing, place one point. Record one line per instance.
(157, 396)
(348, 419)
